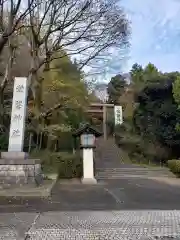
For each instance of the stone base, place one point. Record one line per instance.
(89, 181)
(14, 155)
(20, 172)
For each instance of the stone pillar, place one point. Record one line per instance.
(88, 167)
(18, 115)
(15, 166)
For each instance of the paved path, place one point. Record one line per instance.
(117, 209)
(123, 194)
(92, 225)
(107, 225)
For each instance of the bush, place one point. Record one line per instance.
(138, 148)
(4, 142)
(69, 165)
(65, 141)
(132, 145)
(66, 165)
(174, 166)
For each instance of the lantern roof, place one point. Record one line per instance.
(87, 129)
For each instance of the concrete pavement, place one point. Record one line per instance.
(87, 211)
(107, 225)
(123, 194)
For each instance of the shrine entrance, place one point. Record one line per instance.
(109, 114)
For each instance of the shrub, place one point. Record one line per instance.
(66, 165)
(65, 141)
(132, 145)
(69, 165)
(4, 142)
(138, 148)
(174, 166)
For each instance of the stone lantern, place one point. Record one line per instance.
(88, 135)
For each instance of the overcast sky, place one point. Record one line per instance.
(155, 33)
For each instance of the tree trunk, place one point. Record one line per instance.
(30, 143)
(37, 141)
(40, 143)
(1, 107)
(3, 41)
(7, 78)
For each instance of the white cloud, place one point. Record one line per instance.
(155, 32)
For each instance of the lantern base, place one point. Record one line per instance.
(89, 181)
(87, 146)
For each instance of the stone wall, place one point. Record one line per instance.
(19, 172)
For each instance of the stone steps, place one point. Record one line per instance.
(107, 153)
(130, 169)
(115, 173)
(110, 165)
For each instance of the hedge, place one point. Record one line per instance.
(66, 165)
(174, 166)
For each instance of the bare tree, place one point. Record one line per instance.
(84, 29)
(12, 15)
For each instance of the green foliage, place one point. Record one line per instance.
(156, 116)
(174, 166)
(70, 165)
(127, 140)
(4, 142)
(66, 165)
(116, 88)
(142, 77)
(151, 133)
(138, 148)
(137, 75)
(176, 90)
(63, 86)
(150, 73)
(65, 142)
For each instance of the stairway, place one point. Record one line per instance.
(107, 154)
(109, 164)
(131, 172)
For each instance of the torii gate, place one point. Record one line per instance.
(103, 109)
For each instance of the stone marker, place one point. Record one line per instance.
(15, 167)
(18, 115)
(118, 115)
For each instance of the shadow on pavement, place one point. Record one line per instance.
(123, 194)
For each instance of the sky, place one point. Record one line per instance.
(155, 33)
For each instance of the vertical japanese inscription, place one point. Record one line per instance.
(17, 116)
(118, 115)
(16, 137)
(20, 88)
